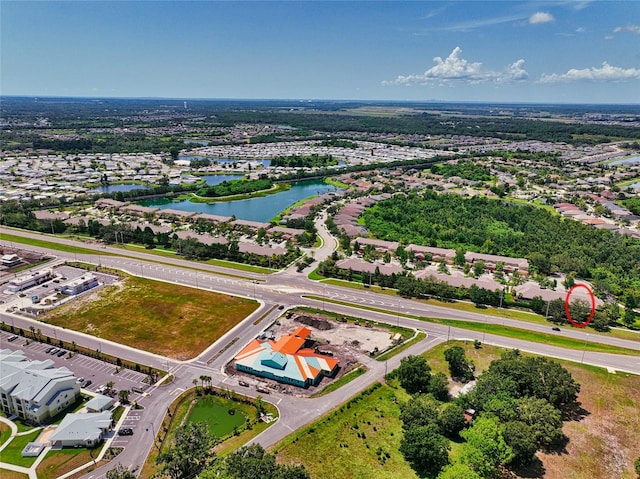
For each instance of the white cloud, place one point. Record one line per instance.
(541, 17)
(455, 69)
(628, 28)
(605, 73)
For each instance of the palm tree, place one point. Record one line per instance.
(123, 394)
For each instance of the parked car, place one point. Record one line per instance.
(87, 383)
(80, 380)
(48, 350)
(556, 328)
(54, 351)
(61, 353)
(125, 431)
(12, 338)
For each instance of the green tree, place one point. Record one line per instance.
(420, 410)
(637, 466)
(458, 470)
(485, 449)
(190, 452)
(439, 386)
(425, 449)
(459, 365)
(414, 374)
(459, 259)
(252, 462)
(451, 420)
(522, 441)
(544, 420)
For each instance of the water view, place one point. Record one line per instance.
(265, 163)
(114, 188)
(626, 161)
(253, 209)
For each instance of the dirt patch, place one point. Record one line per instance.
(316, 323)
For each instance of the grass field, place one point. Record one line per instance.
(57, 463)
(602, 445)
(214, 411)
(13, 452)
(5, 433)
(162, 318)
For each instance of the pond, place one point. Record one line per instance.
(627, 161)
(254, 209)
(114, 188)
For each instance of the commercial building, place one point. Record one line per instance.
(34, 390)
(286, 360)
(80, 285)
(29, 280)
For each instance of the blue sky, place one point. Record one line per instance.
(551, 51)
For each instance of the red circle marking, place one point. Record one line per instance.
(593, 306)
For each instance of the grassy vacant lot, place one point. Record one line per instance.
(167, 319)
(214, 412)
(603, 444)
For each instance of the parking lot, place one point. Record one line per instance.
(90, 369)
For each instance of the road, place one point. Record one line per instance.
(288, 288)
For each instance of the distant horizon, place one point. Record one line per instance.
(492, 51)
(340, 100)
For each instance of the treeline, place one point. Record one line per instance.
(235, 187)
(464, 169)
(304, 161)
(549, 242)
(91, 142)
(436, 124)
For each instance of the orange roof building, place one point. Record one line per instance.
(286, 360)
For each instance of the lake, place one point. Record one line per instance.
(626, 161)
(254, 209)
(114, 188)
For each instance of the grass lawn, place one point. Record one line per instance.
(5, 432)
(57, 463)
(602, 445)
(215, 412)
(49, 244)
(162, 318)
(13, 452)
